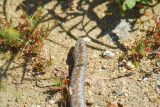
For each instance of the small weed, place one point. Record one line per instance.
(129, 4)
(150, 46)
(26, 38)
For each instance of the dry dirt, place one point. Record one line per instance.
(106, 79)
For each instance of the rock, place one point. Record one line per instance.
(94, 56)
(90, 101)
(153, 99)
(118, 91)
(112, 104)
(148, 12)
(129, 65)
(51, 102)
(38, 106)
(121, 30)
(87, 39)
(104, 66)
(90, 93)
(108, 54)
(122, 69)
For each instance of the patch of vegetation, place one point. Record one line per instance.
(150, 46)
(129, 4)
(25, 38)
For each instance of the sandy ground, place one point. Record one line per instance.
(107, 79)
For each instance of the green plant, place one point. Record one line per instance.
(26, 38)
(150, 45)
(129, 4)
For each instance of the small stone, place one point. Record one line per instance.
(64, 25)
(148, 12)
(90, 93)
(38, 106)
(112, 104)
(129, 65)
(122, 69)
(90, 101)
(145, 78)
(149, 68)
(29, 74)
(153, 99)
(118, 91)
(52, 57)
(108, 54)
(87, 39)
(51, 102)
(94, 56)
(104, 66)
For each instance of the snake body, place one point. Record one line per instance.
(77, 77)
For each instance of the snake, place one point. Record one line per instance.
(80, 54)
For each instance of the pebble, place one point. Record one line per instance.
(90, 93)
(112, 104)
(122, 69)
(38, 106)
(104, 66)
(108, 54)
(118, 91)
(122, 29)
(51, 102)
(94, 56)
(52, 57)
(87, 39)
(153, 99)
(90, 101)
(129, 65)
(148, 12)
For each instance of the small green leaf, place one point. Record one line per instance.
(41, 38)
(159, 28)
(128, 4)
(46, 33)
(50, 62)
(57, 81)
(144, 2)
(136, 64)
(29, 18)
(40, 8)
(140, 48)
(122, 13)
(35, 24)
(12, 34)
(2, 33)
